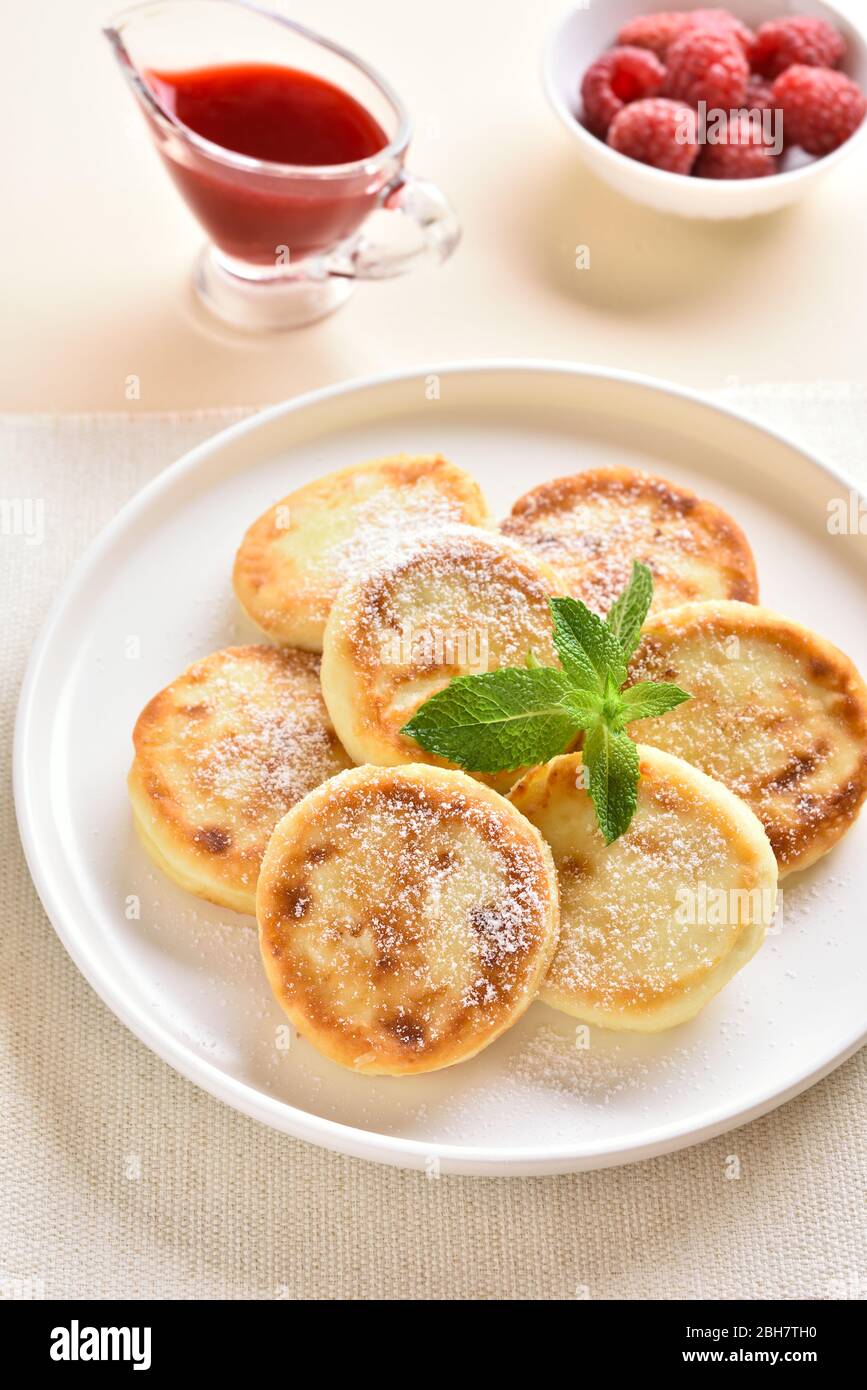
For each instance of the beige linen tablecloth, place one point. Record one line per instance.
(219, 1206)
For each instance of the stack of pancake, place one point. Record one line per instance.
(409, 913)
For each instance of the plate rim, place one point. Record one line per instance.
(478, 1160)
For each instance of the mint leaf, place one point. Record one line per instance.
(612, 705)
(519, 716)
(626, 615)
(649, 699)
(589, 651)
(585, 707)
(497, 721)
(611, 758)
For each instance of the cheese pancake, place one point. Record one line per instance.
(407, 917)
(220, 755)
(458, 603)
(592, 526)
(653, 925)
(777, 713)
(293, 560)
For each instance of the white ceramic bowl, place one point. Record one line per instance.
(587, 30)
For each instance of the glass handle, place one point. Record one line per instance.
(423, 228)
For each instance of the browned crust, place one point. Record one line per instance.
(399, 1042)
(278, 659)
(669, 789)
(524, 578)
(719, 536)
(207, 853)
(350, 639)
(255, 565)
(825, 817)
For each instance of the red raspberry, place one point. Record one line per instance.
(782, 42)
(724, 19)
(760, 94)
(654, 31)
(707, 65)
(658, 132)
(658, 31)
(821, 108)
(742, 155)
(620, 76)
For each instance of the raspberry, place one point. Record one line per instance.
(617, 78)
(821, 108)
(658, 132)
(654, 31)
(658, 31)
(707, 65)
(740, 156)
(760, 94)
(810, 42)
(724, 19)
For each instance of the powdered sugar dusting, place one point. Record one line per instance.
(591, 533)
(427, 909)
(621, 940)
(237, 740)
(386, 523)
(279, 757)
(457, 581)
(600, 1074)
(772, 716)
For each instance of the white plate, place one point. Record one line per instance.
(185, 977)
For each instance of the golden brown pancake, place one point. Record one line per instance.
(653, 925)
(293, 560)
(220, 755)
(406, 917)
(777, 713)
(589, 528)
(459, 602)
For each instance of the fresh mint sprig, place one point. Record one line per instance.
(522, 715)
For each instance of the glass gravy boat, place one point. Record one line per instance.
(286, 241)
